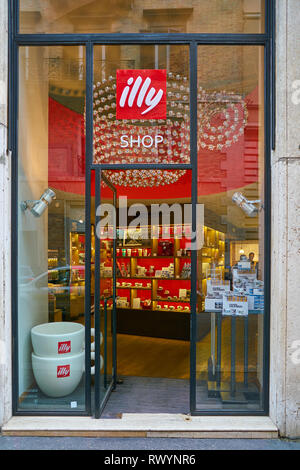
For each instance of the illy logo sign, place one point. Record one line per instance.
(63, 371)
(141, 94)
(64, 347)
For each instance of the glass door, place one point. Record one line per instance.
(104, 310)
(141, 142)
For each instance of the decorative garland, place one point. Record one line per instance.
(222, 117)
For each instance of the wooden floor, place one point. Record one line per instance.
(140, 356)
(153, 357)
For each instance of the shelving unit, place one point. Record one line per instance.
(148, 282)
(153, 270)
(153, 285)
(211, 261)
(52, 259)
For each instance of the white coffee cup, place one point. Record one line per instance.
(58, 376)
(57, 339)
(93, 335)
(93, 367)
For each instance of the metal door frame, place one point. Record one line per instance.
(99, 402)
(16, 40)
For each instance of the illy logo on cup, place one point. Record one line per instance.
(63, 371)
(141, 94)
(64, 347)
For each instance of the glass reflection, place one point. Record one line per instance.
(231, 260)
(129, 133)
(51, 229)
(140, 16)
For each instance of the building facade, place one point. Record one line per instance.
(224, 140)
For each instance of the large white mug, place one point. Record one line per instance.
(60, 339)
(60, 376)
(93, 335)
(93, 367)
(57, 339)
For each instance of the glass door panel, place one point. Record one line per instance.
(51, 230)
(105, 287)
(231, 155)
(141, 105)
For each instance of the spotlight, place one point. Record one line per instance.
(247, 206)
(37, 208)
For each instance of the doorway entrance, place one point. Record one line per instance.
(143, 293)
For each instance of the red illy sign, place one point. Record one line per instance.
(141, 94)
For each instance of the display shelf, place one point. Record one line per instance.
(153, 257)
(166, 257)
(169, 310)
(163, 262)
(160, 278)
(133, 287)
(178, 301)
(211, 259)
(52, 259)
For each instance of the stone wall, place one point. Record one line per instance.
(5, 228)
(285, 295)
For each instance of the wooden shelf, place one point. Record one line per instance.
(134, 287)
(154, 257)
(169, 310)
(161, 278)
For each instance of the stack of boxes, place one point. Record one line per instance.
(247, 293)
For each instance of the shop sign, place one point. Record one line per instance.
(141, 94)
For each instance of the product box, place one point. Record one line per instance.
(217, 287)
(234, 305)
(136, 303)
(107, 271)
(243, 283)
(239, 274)
(256, 302)
(213, 304)
(122, 302)
(244, 265)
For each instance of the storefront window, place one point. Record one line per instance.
(143, 270)
(231, 260)
(140, 16)
(51, 228)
